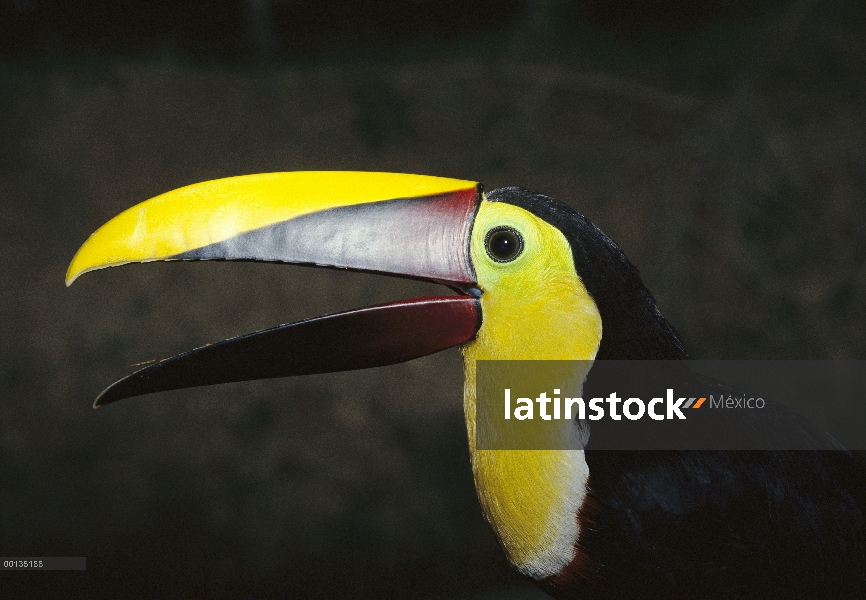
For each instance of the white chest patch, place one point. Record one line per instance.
(531, 499)
(557, 545)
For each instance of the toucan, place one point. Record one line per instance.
(531, 279)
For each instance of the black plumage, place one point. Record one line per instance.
(700, 524)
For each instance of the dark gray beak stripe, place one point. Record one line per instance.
(426, 237)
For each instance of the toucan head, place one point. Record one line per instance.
(534, 279)
(510, 256)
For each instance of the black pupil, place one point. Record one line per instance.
(503, 244)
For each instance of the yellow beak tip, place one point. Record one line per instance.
(76, 269)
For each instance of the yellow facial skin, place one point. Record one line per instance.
(533, 308)
(204, 213)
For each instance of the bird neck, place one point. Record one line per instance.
(530, 498)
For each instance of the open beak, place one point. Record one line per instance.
(405, 225)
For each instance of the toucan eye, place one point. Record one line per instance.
(504, 244)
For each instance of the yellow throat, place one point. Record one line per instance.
(533, 308)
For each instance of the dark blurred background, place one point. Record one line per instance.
(721, 143)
